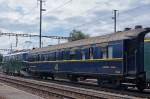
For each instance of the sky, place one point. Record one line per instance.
(93, 17)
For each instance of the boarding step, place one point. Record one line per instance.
(128, 84)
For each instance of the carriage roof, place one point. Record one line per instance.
(16, 53)
(93, 40)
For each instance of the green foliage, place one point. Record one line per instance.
(77, 35)
(1, 57)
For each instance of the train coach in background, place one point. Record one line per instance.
(14, 63)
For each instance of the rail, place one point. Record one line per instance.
(56, 91)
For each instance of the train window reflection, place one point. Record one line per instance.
(83, 55)
(110, 52)
(104, 52)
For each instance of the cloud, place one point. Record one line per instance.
(93, 17)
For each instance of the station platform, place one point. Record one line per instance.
(7, 92)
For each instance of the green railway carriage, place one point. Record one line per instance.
(147, 58)
(14, 63)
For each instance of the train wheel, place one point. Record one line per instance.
(53, 77)
(82, 78)
(41, 77)
(141, 87)
(45, 77)
(73, 78)
(99, 82)
(118, 84)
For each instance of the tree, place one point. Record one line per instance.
(77, 35)
(1, 57)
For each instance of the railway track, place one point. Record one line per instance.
(93, 85)
(57, 91)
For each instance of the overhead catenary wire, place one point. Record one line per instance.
(29, 35)
(93, 22)
(100, 19)
(80, 13)
(89, 23)
(88, 10)
(84, 12)
(129, 18)
(58, 7)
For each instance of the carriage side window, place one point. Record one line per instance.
(60, 55)
(57, 55)
(35, 57)
(65, 55)
(46, 57)
(110, 52)
(104, 52)
(54, 56)
(91, 53)
(42, 57)
(72, 55)
(51, 57)
(38, 57)
(83, 55)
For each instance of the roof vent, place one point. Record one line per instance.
(119, 31)
(127, 29)
(138, 27)
(33, 48)
(147, 28)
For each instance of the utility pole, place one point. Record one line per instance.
(16, 40)
(115, 20)
(58, 40)
(41, 10)
(11, 47)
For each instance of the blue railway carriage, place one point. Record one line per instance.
(115, 59)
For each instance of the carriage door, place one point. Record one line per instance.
(130, 56)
